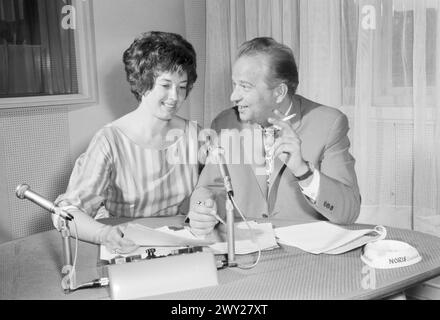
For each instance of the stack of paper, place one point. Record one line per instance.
(261, 235)
(325, 237)
(163, 243)
(166, 241)
(161, 237)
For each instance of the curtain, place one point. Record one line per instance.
(37, 55)
(378, 62)
(396, 109)
(231, 22)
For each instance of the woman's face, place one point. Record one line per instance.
(167, 95)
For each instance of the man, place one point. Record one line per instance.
(302, 172)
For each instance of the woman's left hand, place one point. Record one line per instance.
(112, 237)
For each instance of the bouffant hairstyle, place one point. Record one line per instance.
(156, 52)
(282, 65)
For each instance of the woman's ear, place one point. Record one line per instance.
(145, 95)
(280, 92)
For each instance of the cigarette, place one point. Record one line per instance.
(285, 119)
(288, 117)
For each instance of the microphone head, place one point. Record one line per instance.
(20, 190)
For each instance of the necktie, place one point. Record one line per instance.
(268, 143)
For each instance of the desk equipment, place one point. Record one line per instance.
(30, 270)
(162, 275)
(144, 253)
(68, 282)
(388, 254)
(23, 192)
(218, 153)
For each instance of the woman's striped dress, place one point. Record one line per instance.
(130, 180)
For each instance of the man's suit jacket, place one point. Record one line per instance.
(323, 132)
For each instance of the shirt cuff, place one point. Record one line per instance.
(311, 191)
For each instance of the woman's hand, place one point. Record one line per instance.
(112, 237)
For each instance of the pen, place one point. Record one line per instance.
(214, 214)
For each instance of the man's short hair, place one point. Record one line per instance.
(282, 65)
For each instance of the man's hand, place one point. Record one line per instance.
(287, 146)
(112, 237)
(201, 217)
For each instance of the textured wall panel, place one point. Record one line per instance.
(34, 149)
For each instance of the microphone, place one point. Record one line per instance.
(23, 191)
(218, 153)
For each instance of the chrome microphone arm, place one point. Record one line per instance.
(230, 219)
(23, 191)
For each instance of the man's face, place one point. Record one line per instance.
(255, 100)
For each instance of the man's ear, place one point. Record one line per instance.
(280, 92)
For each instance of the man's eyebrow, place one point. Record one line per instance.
(245, 82)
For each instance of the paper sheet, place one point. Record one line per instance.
(263, 234)
(145, 236)
(160, 240)
(264, 237)
(325, 237)
(165, 240)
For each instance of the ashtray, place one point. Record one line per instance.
(387, 254)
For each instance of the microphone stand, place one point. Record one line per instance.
(23, 192)
(68, 283)
(229, 205)
(67, 271)
(230, 220)
(230, 231)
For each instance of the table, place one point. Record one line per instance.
(30, 269)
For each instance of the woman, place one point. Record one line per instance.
(128, 168)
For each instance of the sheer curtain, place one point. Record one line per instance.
(395, 108)
(377, 61)
(231, 22)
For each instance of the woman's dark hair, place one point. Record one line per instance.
(282, 65)
(155, 52)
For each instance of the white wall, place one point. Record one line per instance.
(117, 23)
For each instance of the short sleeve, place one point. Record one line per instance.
(90, 177)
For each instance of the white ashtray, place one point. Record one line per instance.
(387, 254)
